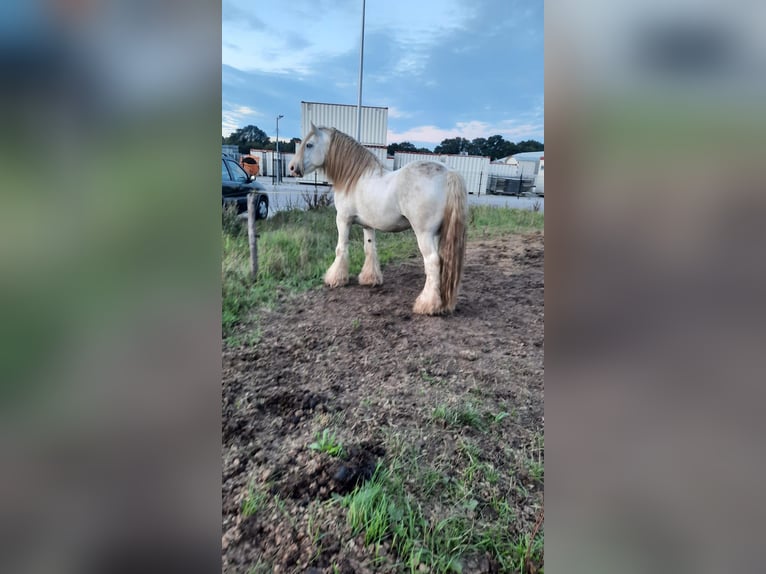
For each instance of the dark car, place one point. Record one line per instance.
(236, 184)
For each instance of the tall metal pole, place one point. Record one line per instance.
(278, 169)
(361, 66)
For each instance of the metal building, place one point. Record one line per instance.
(343, 118)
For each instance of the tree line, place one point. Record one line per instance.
(253, 137)
(494, 147)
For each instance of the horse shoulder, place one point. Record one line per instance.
(345, 204)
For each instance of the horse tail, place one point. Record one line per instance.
(452, 242)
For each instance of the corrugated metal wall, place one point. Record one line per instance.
(474, 169)
(343, 118)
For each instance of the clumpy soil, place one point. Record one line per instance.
(357, 361)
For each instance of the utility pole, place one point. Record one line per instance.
(278, 169)
(361, 67)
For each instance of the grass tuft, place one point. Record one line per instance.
(464, 416)
(254, 501)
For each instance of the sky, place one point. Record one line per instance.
(443, 68)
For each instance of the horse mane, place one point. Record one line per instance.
(346, 161)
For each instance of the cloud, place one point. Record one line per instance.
(234, 116)
(288, 43)
(412, 38)
(232, 12)
(469, 130)
(396, 113)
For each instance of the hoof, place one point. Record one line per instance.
(428, 305)
(336, 276)
(370, 279)
(336, 282)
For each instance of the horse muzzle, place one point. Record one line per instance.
(295, 169)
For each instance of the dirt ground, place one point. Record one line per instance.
(356, 360)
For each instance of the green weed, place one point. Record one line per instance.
(499, 417)
(327, 442)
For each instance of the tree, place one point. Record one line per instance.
(495, 147)
(529, 145)
(498, 147)
(453, 146)
(406, 147)
(248, 137)
(478, 147)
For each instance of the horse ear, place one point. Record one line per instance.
(313, 127)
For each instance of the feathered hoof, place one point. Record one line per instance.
(370, 278)
(335, 278)
(428, 304)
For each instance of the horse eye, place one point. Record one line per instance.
(309, 146)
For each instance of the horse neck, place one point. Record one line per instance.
(347, 161)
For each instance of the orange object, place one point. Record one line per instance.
(250, 164)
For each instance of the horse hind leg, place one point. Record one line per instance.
(429, 302)
(371, 273)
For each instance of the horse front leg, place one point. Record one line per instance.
(429, 302)
(371, 273)
(337, 274)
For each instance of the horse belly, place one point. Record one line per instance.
(377, 206)
(383, 222)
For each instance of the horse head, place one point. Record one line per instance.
(311, 153)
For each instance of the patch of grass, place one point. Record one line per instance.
(327, 442)
(488, 221)
(464, 416)
(246, 338)
(385, 509)
(254, 501)
(535, 461)
(295, 248)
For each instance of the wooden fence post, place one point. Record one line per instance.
(251, 233)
